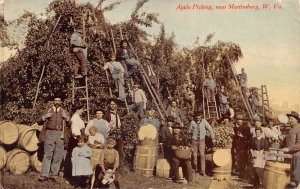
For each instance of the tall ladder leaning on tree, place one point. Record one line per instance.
(265, 103)
(113, 49)
(44, 66)
(77, 86)
(245, 101)
(209, 107)
(154, 95)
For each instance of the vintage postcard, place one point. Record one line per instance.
(66, 64)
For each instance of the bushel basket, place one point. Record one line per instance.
(183, 153)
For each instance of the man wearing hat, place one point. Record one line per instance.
(150, 119)
(293, 147)
(240, 146)
(178, 140)
(80, 51)
(197, 131)
(54, 135)
(147, 64)
(166, 132)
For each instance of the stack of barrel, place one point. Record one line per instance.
(18, 147)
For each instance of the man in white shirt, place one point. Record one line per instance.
(117, 72)
(139, 100)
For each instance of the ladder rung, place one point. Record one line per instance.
(84, 98)
(82, 87)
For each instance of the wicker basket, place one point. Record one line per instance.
(183, 153)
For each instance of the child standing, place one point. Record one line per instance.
(81, 164)
(109, 161)
(258, 147)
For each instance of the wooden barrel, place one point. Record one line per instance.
(35, 163)
(276, 175)
(145, 159)
(17, 161)
(96, 152)
(163, 169)
(28, 138)
(9, 133)
(2, 157)
(222, 163)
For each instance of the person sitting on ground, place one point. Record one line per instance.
(117, 73)
(81, 164)
(176, 141)
(210, 87)
(100, 123)
(95, 139)
(109, 159)
(79, 49)
(139, 100)
(259, 146)
(189, 97)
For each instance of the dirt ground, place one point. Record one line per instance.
(130, 180)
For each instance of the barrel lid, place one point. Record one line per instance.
(221, 157)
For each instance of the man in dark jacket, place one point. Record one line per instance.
(54, 129)
(293, 147)
(240, 146)
(175, 141)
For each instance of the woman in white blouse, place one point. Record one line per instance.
(77, 122)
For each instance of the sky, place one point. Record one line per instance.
(269, 38)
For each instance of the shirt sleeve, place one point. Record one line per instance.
(116, 165)
(89, 125)
(75, 127)
(209, 128)
(106, 65)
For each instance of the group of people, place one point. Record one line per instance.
(253, 144)
(66, 136)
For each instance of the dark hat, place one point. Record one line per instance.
(197, 113)
(111, 141)
(294, 114)
(177, 125)
(112, 100)
(170, 119)
(150, 108)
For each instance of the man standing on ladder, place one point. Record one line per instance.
(243, 82)
(80, 51)
(117, 73)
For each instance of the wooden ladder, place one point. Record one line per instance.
(84, 93)
(265, 101)
(156, 99)
(108, 79)
(245, 101)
